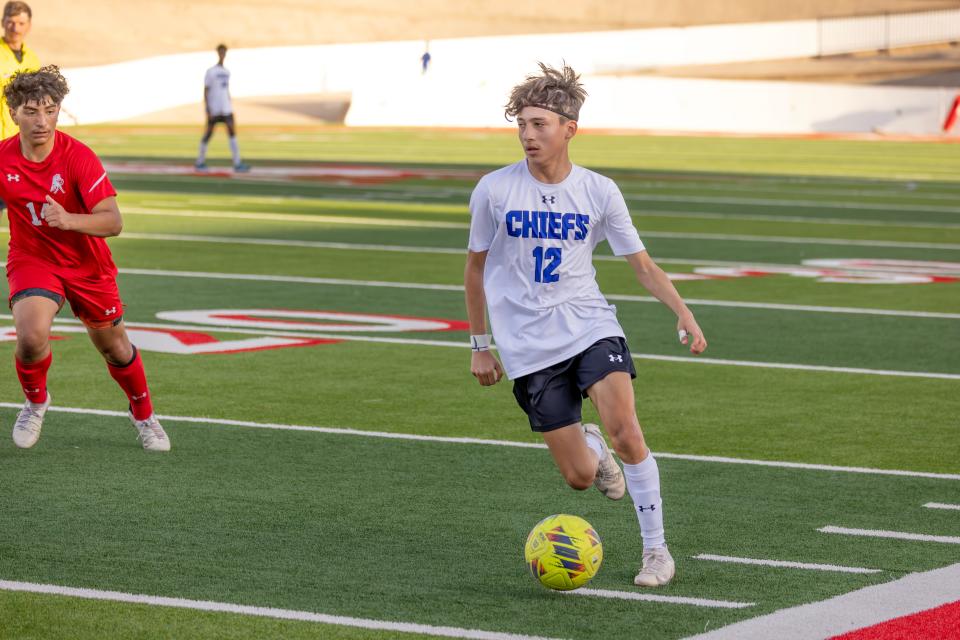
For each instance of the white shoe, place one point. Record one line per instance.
(152, 435)
(26, 430)
(609, 478)
(658, 568)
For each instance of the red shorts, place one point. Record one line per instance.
(95, 300)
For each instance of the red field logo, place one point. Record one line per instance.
(260, 329)
(847, 271)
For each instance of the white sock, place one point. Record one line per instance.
(202, 156)
(643, 484)
(235, 150)
(595, 445)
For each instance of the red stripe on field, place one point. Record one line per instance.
(942, 623)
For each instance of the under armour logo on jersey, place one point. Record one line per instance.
(641, 508)
(13, 177)
(616, 357)
(548, 199)
(57, 184)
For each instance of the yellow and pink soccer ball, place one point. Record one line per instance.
(563, 552)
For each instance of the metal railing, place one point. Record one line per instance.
(886, 31)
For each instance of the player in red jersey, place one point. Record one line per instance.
(61, 207)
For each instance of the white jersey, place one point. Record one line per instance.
(542, 295)
(217, 83)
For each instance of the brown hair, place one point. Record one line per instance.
(27, 86)
(15, 8)
(559, 91)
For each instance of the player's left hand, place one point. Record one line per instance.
(688, 328)
(56, 216)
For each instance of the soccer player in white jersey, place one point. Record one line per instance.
(534, 225)
(216, 99)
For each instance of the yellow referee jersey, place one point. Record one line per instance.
(8, 67)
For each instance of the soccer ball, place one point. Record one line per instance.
(563, 552)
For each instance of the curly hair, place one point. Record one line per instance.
(559, 91)
(36, 86)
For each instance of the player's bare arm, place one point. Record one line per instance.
(103, 221)
(654, 280)
(483, 364)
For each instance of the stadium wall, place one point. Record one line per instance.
(468, 79)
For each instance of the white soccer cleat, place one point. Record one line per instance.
(152, 435)
(658, 568)
(609, 478)
(26, 430)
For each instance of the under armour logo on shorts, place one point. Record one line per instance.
(616, 357)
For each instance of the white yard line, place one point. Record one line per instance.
(940, 505)
(347, 246)
(853, 222)
(459, 288)
(774, 202)
(496, 443)
(896, 535)
(800, 367)
(263, 612)
(649, 597)
(799, 240)
(435, 224)
(851, 611)
(309, 218)
(784, 564)
(807, 466)
(293, 279)
(68, 325)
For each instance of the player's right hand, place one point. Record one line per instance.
(56, 216)
(485, 368)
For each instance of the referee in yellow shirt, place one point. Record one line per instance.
(14, 56)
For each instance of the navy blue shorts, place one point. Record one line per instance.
(227, 120)
(553, 397)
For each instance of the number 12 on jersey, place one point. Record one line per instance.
(547, 261)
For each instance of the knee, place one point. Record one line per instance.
(627, 438)
(31, 344)
(580, 479)
(117, 353)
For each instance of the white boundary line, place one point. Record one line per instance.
(784, 564)
(896, 535)
(770, 202)
(310, 218)
(263, 612)
(448, 251)
(459, 289)
(347, 246)
(853, 222)
(940, 505)
(310, 244)
(497, 443)
(804, 465)
(649, 597)
(800, 240)
(851, 611)
(800, 367)
(73, 325)
(437, 224)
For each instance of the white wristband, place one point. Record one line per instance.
(480, 343)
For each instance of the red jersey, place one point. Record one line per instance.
(73, 176)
